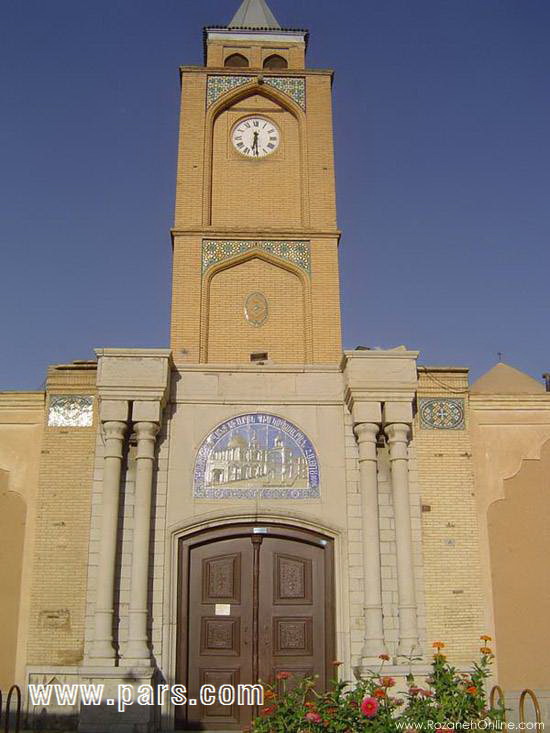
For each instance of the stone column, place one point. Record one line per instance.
(137, 650)
(114, 430)
(398, 439)
(368, 468)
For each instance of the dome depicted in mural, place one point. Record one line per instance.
(256, 456)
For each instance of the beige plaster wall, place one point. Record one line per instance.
(21, 421)
(519, 541)
(511, 454)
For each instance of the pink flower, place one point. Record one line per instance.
(387, 681)
(313, 717)
(426, 693)
(283, 675)
(369, 707)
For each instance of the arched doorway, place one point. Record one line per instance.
(254, 600)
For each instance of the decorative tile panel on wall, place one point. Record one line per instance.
(218, 250)
(441, 413)
(70, 411)
(256, 456)
(293, 86)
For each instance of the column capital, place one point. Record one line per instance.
(366, 432)
(397, 432)
(146, 433)
(113, 435)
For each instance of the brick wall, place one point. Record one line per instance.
(449, 523)
(56, 628)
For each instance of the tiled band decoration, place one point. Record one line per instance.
(441, 413)
(70, 411)
(293, 86)
(215, 251)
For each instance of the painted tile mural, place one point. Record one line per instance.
(256, 456)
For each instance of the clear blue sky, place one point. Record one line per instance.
(442, 123)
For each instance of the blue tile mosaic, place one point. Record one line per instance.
(293, 86)
(218, 250)
(441, 413)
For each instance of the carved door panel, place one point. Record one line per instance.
(292, 609)
(251, 605)
(220, 627)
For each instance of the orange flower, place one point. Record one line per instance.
(269, 695)
(471, 690)
(384, 657)
(485, 638)
(387, 681)
(486, 650)
(379, 692)
(438, 645)
(336, 663)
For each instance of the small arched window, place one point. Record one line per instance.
(236, 60)
(275, 62)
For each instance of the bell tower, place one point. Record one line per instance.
(255, 240)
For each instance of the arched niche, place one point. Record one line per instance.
(275, 61)
(236, 61)
(227, 335)
(244, 192)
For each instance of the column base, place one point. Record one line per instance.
(398, 671)
(409, 648)
(108, 717)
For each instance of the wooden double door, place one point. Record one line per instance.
(253, 601)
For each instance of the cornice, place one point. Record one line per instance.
(249, 71)
(230, 233)
(22, 400)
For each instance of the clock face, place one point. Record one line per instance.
(255, 137)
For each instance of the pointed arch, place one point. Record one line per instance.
(236, 61)
(275, 61)
(228, 100)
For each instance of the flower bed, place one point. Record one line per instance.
(448, 698)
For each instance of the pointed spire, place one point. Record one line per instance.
(254, 14)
